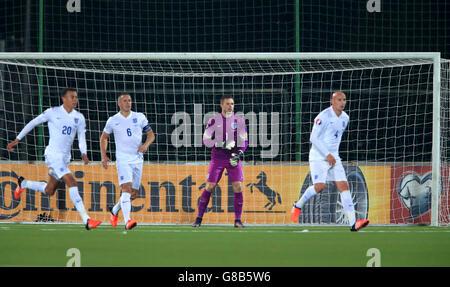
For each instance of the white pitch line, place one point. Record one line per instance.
(80, 228)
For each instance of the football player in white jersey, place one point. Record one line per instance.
(127, 127)
(324, 161)
(63, 123)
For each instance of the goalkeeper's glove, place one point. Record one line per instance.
(226, 145)
(236, 157)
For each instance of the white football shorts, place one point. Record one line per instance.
(130, 172)
(58, 164)
(321, 171)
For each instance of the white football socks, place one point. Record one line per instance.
(34, 185)
(116, 208)
(78, 202)
(349, 208)
(309, 192)
(125, 203)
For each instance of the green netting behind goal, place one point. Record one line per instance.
(232, 26)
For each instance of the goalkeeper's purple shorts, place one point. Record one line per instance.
(216, 169)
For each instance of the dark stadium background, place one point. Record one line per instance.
(233, 26)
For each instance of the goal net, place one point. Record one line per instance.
(395, 149)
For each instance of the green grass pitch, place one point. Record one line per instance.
(184, 246)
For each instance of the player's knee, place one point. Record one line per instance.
(72, 184)
(237, 188)
(127, 189)
(210, 187)
(134, 193)
(342, 187)
(319, 187)
(49, 190)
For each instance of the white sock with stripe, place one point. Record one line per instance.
(78, 202)
(309, 192)
(34, 185)
(116, 208)
(349, 208)
(125, 203)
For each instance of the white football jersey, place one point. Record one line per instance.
(62, 127)
(327, 133)
(127, 135)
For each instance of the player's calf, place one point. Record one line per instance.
(49, 190)
(319, 187)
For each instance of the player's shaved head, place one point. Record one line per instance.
(338, 101)
(338, 93)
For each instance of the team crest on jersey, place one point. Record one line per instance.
(234, 125)
(76, 120)
(318, 122)
(135, 120)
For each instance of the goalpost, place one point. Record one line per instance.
(395, 149)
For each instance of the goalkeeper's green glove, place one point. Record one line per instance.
(226, 145)
(236, 157)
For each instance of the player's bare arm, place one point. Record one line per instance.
(85, 158)
(150, 139)
(103, 148)
(12, 144)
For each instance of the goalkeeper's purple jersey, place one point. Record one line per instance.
(233, 128)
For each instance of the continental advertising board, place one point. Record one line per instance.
(170, 194)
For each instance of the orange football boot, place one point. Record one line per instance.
(18, 191)
(113, 218)
(295, 213)
(130, 224)
(91, 223)
(359, 224)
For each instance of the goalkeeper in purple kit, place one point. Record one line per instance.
(227, 136)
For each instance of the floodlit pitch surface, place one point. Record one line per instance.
(184, 246)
